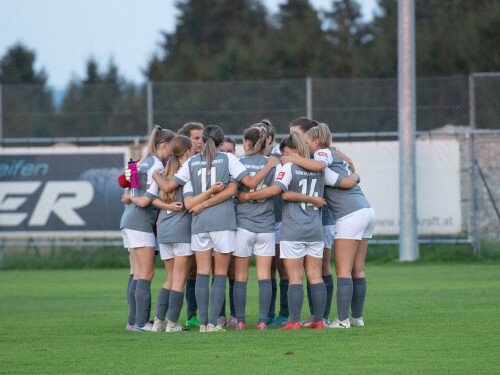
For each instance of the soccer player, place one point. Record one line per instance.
(137, 224)
(254, 232)
(302, 125)
(355, 222)
(201, 172)
(229, 145)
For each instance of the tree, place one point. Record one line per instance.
(27, 103)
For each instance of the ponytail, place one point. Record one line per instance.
(322, 134)
(178, 146)
(158, 136)
(304, 123)
(295, 142)
(258, 137)
(213, 137)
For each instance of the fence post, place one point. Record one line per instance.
(407, 119)
(1, 253)
(149, 96)
(476, 235)
(309, 108)
(1, 115)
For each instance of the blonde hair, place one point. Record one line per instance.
(178, 146)
(322, 134)
(158, 136)
(257, 135)
(213, 137)
(295, 142)
(269, 128)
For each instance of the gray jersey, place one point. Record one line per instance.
(341, 202)
(301, 221)
(278, 202)
(224, 168)
(256, 215)
(326, 215)
(143, 218)
(174, 226)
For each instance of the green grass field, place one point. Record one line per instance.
(420, 318)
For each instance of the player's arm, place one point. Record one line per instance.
(224, 195)
(309, 164)
(166, 186)
(264, 193)
(333, 179)
(192, 201)
(253, 181)
(345, 158)
(293, 196)
(143, 201)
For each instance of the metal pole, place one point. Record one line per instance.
(476, 237)
(1, 253)
(1, 114)
(149, 95)
(408, 236)
(309, 109)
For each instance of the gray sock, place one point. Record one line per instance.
(284, 298)
(328, 280)
(231, 298)
(217, 296)
(265, 295)
(344, 297)
(162, 303)
(318, 297)
(202, 296)
(148, 310)
(130, 278)
(131, 303)
(142, 293)
(223, 308)
(240, 300)
(295, 301)
(309, 299)
(272, 306)
(358, 297)
(191, 305)
(175, 305)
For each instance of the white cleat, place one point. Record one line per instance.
(221, 321)
(148, 327)
(340, 323)
(356, 322)
(203, 328)
(158, 326)
(307, 322)
(217, 328)
(174, 327)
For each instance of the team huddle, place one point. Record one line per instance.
(208, 211)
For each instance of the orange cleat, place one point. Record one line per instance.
(289, 325)
(261, 326)
(241, 326)
(316, 325)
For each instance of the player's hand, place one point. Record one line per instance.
(345, 158)
(126, 198)
(286, 159)
(242, 197)
(217, 187)
(319, 202)
(357, 176)
(128, 172)
(273, 161)
(198, 209)
(176, 206)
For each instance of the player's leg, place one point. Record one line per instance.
(358, 284)
(232, 321)
(131, 291)
(274, 289)
(202, 244)
(167, 255)
(240, 289)
(292, 254)
(191, 307)
(313, 268)
(263, 266)
(145, 257)
(284, 313)
(326, 273)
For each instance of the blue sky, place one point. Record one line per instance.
(65, 33)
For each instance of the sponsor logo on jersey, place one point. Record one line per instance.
(280, 176)
(322, 154)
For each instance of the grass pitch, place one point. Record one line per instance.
(438, 318)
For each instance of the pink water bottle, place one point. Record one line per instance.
(134, 175)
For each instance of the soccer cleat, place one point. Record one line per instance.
(279, 321)
(241, 326)
(357, 322)
(174, 327)
(203, 328)
(221, 321)
(308, 321)
(316, 325)
(232, 322)
(326, 322)
(212, 328)
(193, 322)
(129, 327)
(145, 328)
(261, 326)
(340, 324)
(269, 320)
(289, 325)
(158, 325)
